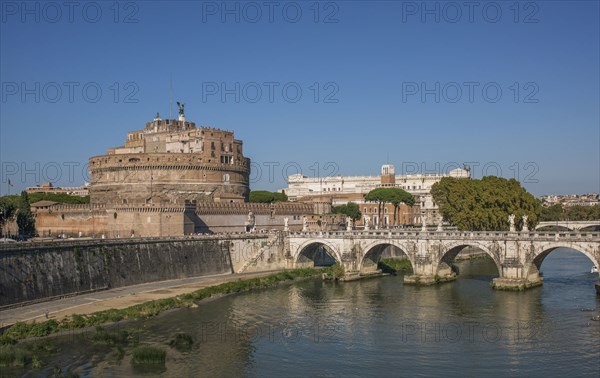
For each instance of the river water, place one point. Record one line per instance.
(377, 327)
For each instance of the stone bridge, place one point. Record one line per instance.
(517, 255)
(571, 225)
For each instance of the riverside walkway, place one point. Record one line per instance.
(117, 298)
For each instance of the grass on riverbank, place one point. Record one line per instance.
(148, 354)
(21, 330)
(395, 265)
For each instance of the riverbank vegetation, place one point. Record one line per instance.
(148, 354)
(394, 266)
(22, 330)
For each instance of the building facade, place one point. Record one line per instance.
(343, 189)
(47, 187)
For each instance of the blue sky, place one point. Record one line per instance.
(328, 87)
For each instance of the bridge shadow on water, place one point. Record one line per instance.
(481, 269)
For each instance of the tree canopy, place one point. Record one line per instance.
(350, 210)
(395, 196)
(485, 204)
(264, 196)
(69, 199)
(572, 213)
(59, 197)
(7, 212)
(25, 220)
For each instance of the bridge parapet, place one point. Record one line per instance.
(448, 235)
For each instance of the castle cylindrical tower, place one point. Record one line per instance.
(171, 161)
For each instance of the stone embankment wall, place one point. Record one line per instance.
(257, 255)
(40, 271)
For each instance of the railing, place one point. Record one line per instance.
(488, 235)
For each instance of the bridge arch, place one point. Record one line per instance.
(536, 263)
(306, 251)
(590, 225)
(373, 251)
(449, 251)
(553, 228)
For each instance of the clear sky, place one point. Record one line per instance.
(341, 87)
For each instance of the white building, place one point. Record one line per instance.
(415, 184)
(342, 189)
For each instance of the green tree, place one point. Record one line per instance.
(572, 213)
(25, 220)
(59, 197)
(350, 210)
(552, 213)
(279, 197)
(264, 196)
(582, 213)
(485, 204)
(377, 195)
(7, 212)
(395, 196)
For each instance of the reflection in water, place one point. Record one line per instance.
(379, 327)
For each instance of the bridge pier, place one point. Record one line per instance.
(511, 277)
(425, 272)
(426, 280)
(515, 284)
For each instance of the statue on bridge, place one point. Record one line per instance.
(250, 222)
(511, 222)
(367, 219)
(525, 227)
(348, 224)
(286, 226)
(304, 224)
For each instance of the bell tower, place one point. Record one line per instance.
(388, 177)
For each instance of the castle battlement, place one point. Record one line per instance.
(287, 208)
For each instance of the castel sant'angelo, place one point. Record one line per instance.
(170, 178)
(171, 161)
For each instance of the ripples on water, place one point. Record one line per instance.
(378, 327)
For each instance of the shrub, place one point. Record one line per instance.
(182, 342)
(44, 328)
(148, 354)
(338, 271)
